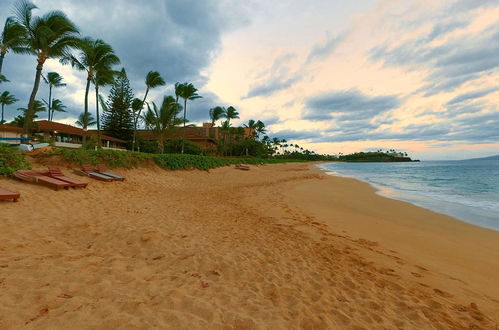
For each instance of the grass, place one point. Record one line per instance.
(11, 160)
(114, 158)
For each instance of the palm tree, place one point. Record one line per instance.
(260, 129)
(216, 113)
(24, 120)
(53, 79)
(93, 54)
(276, 142)
(161, 120)
(231, 113)
(153, 80)
(56, 106)
(3, 78)
(252, 126)
(6, 99)
(103, 76)
(85, 120)
(48, 36)
(11, 38)
(178, 90)
(188, 92)
(225, 129)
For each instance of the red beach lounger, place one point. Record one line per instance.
(40, 178)
(102, 169)
(242, 167)
(55, 172)
(5, 194)
(89, 171)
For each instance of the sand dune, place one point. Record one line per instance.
(230, 249)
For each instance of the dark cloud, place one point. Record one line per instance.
(323, 50)
(348, 105)
(296, 134)
(470, 128)
(177, 38)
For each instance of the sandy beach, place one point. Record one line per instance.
(277, 247)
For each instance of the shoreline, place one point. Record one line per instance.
(458, 211)
(281, 246)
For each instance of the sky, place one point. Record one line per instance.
(419, 76)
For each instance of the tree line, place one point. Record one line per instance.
(54, 36)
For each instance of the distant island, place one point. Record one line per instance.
(496, 157)
(376, 156)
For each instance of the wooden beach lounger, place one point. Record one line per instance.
(102, 169)
(41, 178)
(55, 172)
(242, 167)
(89, 171)
(5, 194)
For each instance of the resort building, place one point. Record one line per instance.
(67, 136)
(11, 134)
(205, 137)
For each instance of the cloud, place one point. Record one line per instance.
(177, 38)
(441, 29)
(323, 50)
(275, 79)
(272, 86)
(471, 128)
(472, 95)
(348, 105)
(297, 134)
(450, 65)
(467, 5)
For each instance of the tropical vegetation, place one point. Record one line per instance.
(53, 35)
(6, 99)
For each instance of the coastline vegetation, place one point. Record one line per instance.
(11, 161)
(376, 156)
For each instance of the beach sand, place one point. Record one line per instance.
(277, 247)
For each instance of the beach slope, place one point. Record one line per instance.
(277, 247)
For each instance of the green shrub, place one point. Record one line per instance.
(11, 160)
(113, 158)
(183, 162)
(174, 146)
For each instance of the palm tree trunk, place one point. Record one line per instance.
(175, 115)
(31, 105)
(97, 114)
(89, 78)
(1, 121)
(2, 55)
(161, 145)
(185, 112)
(136, 120)
(50, 103)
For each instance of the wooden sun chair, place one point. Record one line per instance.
(6, 194)
(87, 170)
(242, 167)
(55, 172)
(102, 169)
(41, 178)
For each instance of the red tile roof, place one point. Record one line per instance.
(51, 126)
(10, 128)
(149, 135)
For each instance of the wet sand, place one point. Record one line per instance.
(277, 247)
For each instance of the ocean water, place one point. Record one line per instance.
(466, 190)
